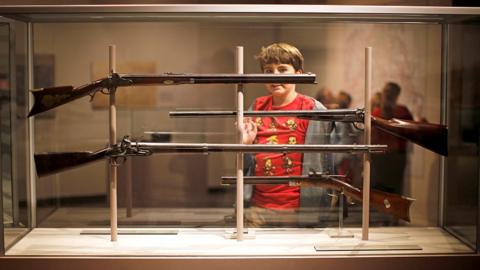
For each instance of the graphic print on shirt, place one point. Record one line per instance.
(279, 130)
(268, 168)
(273, 124)
(288, 164)
(291, 124)
(272, 139)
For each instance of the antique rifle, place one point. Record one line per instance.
(389, 203)
(431, 136)
(49, 98)
(49, 163)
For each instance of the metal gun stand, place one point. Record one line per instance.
(112, 171)
(367, 135)
(340, 232)
(239, 156)
(112, 112)
(367, 132)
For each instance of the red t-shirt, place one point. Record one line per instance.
(279, 130)
(395, 144)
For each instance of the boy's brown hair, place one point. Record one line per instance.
(280, 53)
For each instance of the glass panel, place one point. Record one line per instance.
(5, 155)
(462, 179)
(13, 135)
(20, 136)
(184, 189)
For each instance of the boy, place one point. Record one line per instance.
(278, 204)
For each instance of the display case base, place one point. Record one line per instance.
(278, 242)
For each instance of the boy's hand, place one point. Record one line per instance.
(249, 130)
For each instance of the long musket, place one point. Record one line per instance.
(48, 98)
(390, 203)
(49, 163)
(431, 136)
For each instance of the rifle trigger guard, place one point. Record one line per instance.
(114, 160)
(356, 125)
(92, 95)
(104, 91)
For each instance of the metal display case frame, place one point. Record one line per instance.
(444, 16)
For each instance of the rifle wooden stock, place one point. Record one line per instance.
(49, 98)
(431, 136)
(51, 163)
(389, 203)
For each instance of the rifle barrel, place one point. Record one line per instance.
(339, 115)
(172, 79)
(255, 148)
(255, 180)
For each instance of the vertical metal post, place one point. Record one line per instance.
(367, 134)
(113, 140)
(31, 186)
(477, 244)
(2, 227)
(443, 120)
(239, 165)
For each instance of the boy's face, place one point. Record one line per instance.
(277, 89)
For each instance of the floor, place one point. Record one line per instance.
(216, 242)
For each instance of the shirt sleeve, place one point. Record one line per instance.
(318, 132)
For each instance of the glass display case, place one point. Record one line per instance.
(176, 204)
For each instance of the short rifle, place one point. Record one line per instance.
(389, 203)
(49, 163)
(49, 98)
(431, 136)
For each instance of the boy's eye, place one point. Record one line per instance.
(267, 70)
